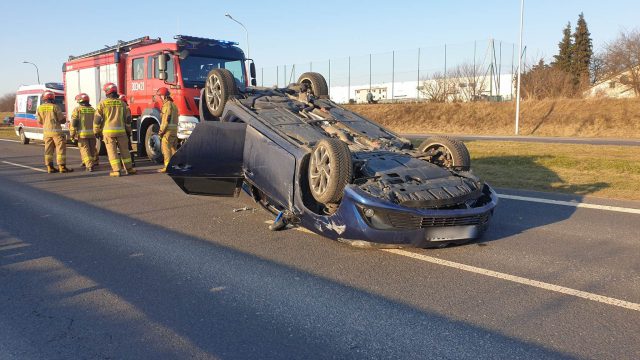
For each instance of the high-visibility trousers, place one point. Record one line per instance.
(113, 144)
(88, 151)
(169, 147)
(57, 144)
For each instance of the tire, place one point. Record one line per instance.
(219, 87)
(330, 170)
(23, 138)
(152, 143)
(317, 83)
(446, 152)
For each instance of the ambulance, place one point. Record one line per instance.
(28, 97)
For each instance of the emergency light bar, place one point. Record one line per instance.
(194, 40)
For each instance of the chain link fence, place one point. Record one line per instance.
(479, 70)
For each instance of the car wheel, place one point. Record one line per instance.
(446, 152)
(219, 87)
(330, 170)
(23, 138)
(152, 143)
(317, 83)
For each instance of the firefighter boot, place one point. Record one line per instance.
(64, 169)
(51, 169)
(131, 171)
(114, 174)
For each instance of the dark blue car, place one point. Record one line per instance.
(332, 171)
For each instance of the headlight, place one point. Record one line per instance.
(187, 125)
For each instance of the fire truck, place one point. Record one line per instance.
(139, 67)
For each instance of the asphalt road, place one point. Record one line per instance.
(540, 139)
(95, 267)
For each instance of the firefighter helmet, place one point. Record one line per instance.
(82, 97)
(123, 97)
(109, 88)
(48, 95)
(163, 91)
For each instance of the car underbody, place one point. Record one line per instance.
(335, 172)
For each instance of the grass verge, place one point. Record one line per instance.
(597, 170)
(8, 132)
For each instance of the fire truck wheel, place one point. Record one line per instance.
(152, 143)
(219, 87)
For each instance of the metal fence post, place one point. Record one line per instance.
(278, 76)
(393, 74)
(418, 86)
(369, 72)
(262, 77)
(349, 82)
(329, 79)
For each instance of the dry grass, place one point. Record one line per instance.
(604, 171)
(565, 117)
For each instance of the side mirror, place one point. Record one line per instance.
(252, 72)
(162, 66)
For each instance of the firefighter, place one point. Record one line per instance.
(127, 125)
(110, 121)
(81, 129)
(168, 127)
(51, 119)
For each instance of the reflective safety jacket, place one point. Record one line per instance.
(110, 117)
(82, 122)
(127, 119)
(50, 117)
(169, 115)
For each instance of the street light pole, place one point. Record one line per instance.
(519, 66)
(245, 30)
(37, 71)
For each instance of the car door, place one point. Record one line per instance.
(210, 162)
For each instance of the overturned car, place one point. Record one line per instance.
(325, 168)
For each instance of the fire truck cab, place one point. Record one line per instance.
(141, 66)
(28, 97)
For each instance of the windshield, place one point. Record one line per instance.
(195, 69)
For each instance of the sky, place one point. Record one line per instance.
(285, 32)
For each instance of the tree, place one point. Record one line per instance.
(543, 81)
(597, 69)
(7, 102)
(582, 51)
(622, 57)
(564, 59)
(437, 88)
(470, 80)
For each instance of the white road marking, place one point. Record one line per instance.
(18, 141)
(520, 280)
(570, 203)
(25, 166)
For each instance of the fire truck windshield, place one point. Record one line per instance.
(195, 69)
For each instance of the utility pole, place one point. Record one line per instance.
(519, 67)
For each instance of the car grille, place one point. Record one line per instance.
(407, 221)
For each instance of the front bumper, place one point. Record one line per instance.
(411, 228)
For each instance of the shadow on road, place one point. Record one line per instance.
(525, 172)
(84, 282)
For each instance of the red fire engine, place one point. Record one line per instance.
(141, 66)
